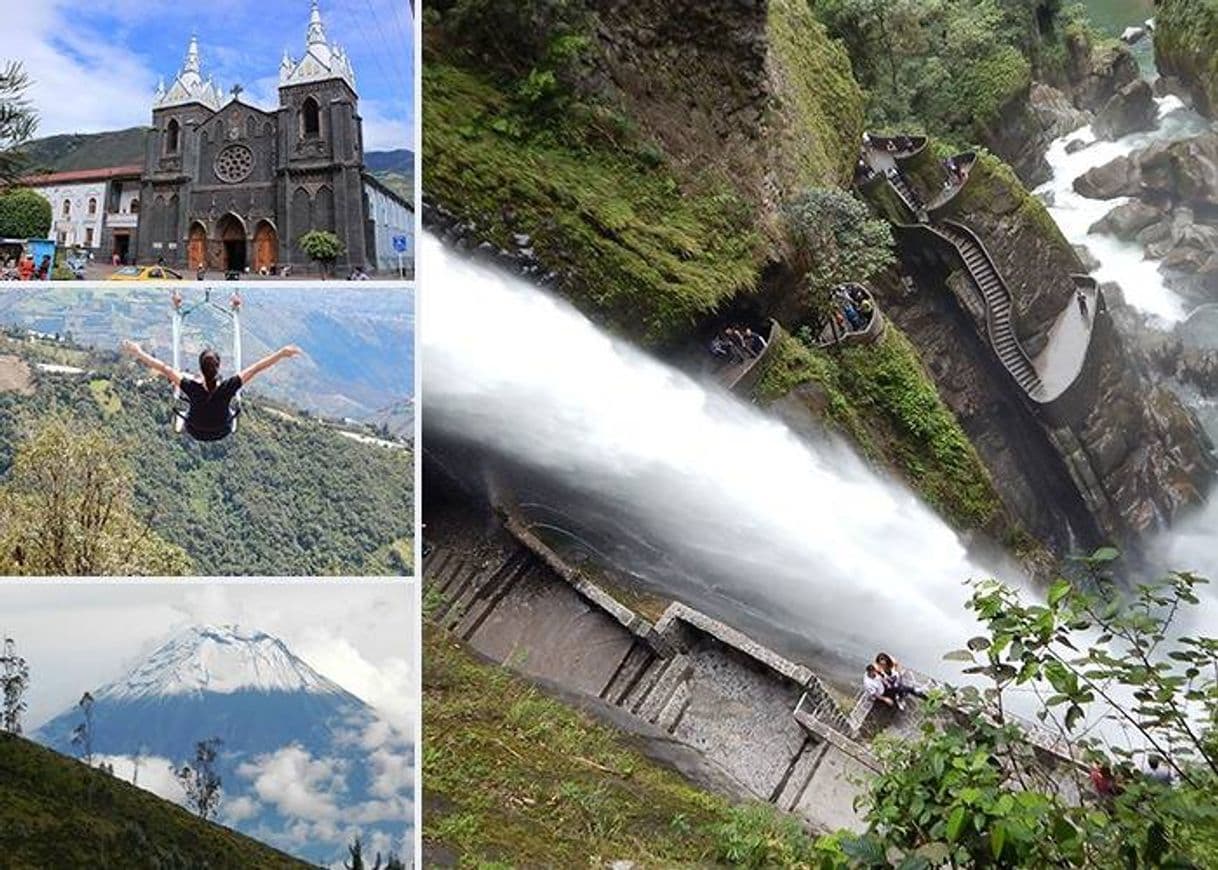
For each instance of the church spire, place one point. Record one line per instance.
(322, 60)
(317, 30)
(192, 55)
(189, 85)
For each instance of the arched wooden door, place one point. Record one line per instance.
(266, 247)
(196, 248)
(232, 236)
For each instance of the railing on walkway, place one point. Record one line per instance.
(830, 335)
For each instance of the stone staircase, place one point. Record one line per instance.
(907, 194)
(997, 297)
(656, 681)
(467, 593)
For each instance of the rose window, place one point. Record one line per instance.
(234, 164)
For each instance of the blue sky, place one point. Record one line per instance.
(95, 66)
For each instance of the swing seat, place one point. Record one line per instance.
(181, 411)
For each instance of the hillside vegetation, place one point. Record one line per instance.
(57, 812)
(286, 495)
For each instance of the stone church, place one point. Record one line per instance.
(232, 187)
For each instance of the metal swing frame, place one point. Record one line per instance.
(180, 313)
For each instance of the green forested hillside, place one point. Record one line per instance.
(287, 495)
(56, 812)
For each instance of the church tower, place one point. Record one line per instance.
(171, 152)
(321, 145)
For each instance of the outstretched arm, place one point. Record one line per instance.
(248, 373)
(144, 358)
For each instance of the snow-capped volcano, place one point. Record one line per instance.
(222, 659)
(305, 764)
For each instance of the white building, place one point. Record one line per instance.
(391, 216)
(96, 209)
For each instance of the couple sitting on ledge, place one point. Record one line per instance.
(888, 683)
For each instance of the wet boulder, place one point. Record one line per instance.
(1120, 177)
(1127, 220)
(1130, 110)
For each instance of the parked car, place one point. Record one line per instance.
(144, 273)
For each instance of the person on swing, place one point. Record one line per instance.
(210, 416)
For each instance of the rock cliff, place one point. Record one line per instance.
(647, 173)
(1133, 454)
(1186, 48)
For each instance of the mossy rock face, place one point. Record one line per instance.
(632, 247)
(653, 192)
(1186, 46)
(1026, 245)
(815, 96)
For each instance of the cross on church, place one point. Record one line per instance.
(236, 91)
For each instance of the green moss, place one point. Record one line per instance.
(512, 777)
(991, 84)
(821, 101)
(884, 400)
(994, 188)
(1186, 45)
(639, 251)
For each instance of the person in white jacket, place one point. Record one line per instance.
(874, 688)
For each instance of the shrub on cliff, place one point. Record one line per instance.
(1186, 46)
(972, 791)
(834, 239)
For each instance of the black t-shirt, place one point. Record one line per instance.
(208, 418)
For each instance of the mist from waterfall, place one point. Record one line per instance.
(796, 532)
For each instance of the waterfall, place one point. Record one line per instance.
(796, 532)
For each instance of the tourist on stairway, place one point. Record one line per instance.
(873, 687)
(896, 679)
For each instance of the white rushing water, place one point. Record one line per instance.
(1122, 262)
(801, 534)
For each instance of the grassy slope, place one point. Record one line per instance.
(278, 498)
(55, 812)
(883, 399)
(514, 778)
(1186, 44)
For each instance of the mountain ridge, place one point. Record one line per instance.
(68, 152)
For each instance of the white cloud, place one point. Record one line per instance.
(384, 131)
(387, 684)
(82, 81)
(296, 783)
(240, 808)
(155, 774)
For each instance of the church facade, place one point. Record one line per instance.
(230, 186)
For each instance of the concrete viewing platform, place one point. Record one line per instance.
(772, 727)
